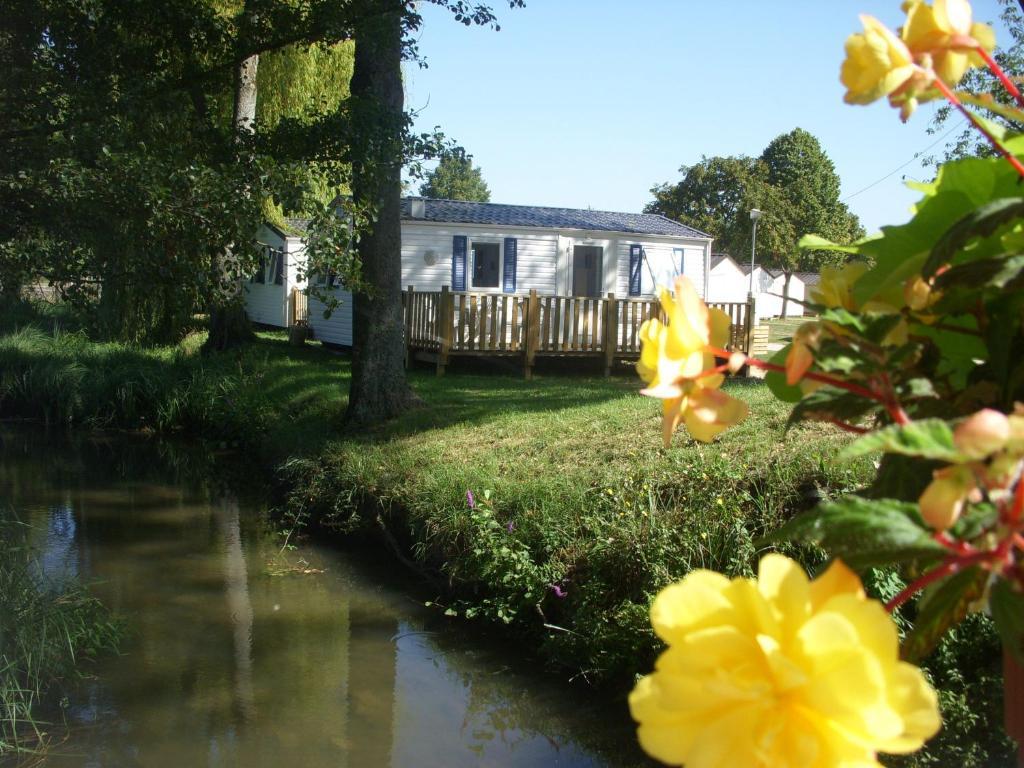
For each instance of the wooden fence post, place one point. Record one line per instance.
(532, 331)
(611, 332)
(444, 328)
(408, 305)
(748, 337)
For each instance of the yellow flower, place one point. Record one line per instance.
(943, 500)
(877, 63)
(946, 33)
(801, 353)
(836, 286)
(675, 360)
(938, 40)
(777, 673)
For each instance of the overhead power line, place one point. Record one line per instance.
(896, 170)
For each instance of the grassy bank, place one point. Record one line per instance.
(579, 515)
(47, 632)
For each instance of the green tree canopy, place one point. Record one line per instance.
(793, 183)
(456, 178)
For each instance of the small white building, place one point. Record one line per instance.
(508, 249)
(772, 285)
(730, 281)
(268, 293)
(727, 280)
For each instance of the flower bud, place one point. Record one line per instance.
(918, 293)
(736, 361)
(801, 353)
(943, 499)
(982, 434)
(1016, 442)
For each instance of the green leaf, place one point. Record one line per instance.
(777, 381)
(926, 439)
(830, 403)
(1007, 607)
(993, 273)
(981, 222)
(819, 243)
(942, 608)
(918, 387)
(975, 520)
(864, 533)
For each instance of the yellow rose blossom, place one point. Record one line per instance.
(675, 360)
(938, 41)
(877, 63)
(778, 672)
(945, 32)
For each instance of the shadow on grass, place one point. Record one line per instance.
(294, 397)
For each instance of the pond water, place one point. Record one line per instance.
(241, 654)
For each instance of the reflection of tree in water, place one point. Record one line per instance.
(236, 589)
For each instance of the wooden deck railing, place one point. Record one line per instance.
(442, 324)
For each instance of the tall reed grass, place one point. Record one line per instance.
(47, 631)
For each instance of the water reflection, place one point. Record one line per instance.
(58, 555)
(236, 658)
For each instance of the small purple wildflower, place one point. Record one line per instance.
(559, 592)
(470, 500)
(510, 527)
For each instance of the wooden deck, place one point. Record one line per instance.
(440, 325)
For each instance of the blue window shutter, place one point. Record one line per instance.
(635, 262)
(459, 263)
(511, 246)
(279, 267)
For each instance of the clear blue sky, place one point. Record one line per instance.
(583, 103)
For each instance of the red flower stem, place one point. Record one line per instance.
(848, 427)
(712, 371)
(952, 565)
(892, 404)
(1008, 84)
(822, 377)
(960, 547)
(1017, 507)
(952, 98)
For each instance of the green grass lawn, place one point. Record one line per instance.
(781, 330)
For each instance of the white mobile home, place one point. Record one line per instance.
(268, 292)
(512, 249)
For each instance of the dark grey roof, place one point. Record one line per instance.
(462, 212)
(718, 258)
(808, 278)
(745, 268)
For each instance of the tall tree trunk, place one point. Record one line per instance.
(785, 291)
(229, 327)
(379, 389)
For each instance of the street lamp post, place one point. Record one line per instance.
(755, 216)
